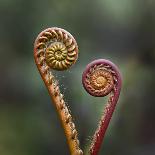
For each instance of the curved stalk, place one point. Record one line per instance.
(55, 48)
(100, 78)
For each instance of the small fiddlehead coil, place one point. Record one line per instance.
(100, 78)
(55, 48)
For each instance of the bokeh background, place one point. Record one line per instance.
(122, 31)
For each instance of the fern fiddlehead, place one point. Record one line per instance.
(56, 49)
(100, 78)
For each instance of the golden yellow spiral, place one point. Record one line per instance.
(58, 47)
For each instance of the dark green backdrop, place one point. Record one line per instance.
(120, 30)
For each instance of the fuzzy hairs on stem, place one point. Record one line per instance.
(100, 78)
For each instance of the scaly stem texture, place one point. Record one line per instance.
(55, 48)
(100, 78)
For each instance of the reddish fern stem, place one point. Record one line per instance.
(100, 78)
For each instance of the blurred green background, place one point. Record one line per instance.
(122, 31)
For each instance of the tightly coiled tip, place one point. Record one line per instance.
(57, 47)
(101, 77)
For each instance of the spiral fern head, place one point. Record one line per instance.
(58, 47)
(99, 77)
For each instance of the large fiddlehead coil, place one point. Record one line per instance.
(58, 47)
(100, 78)
(55, 48)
